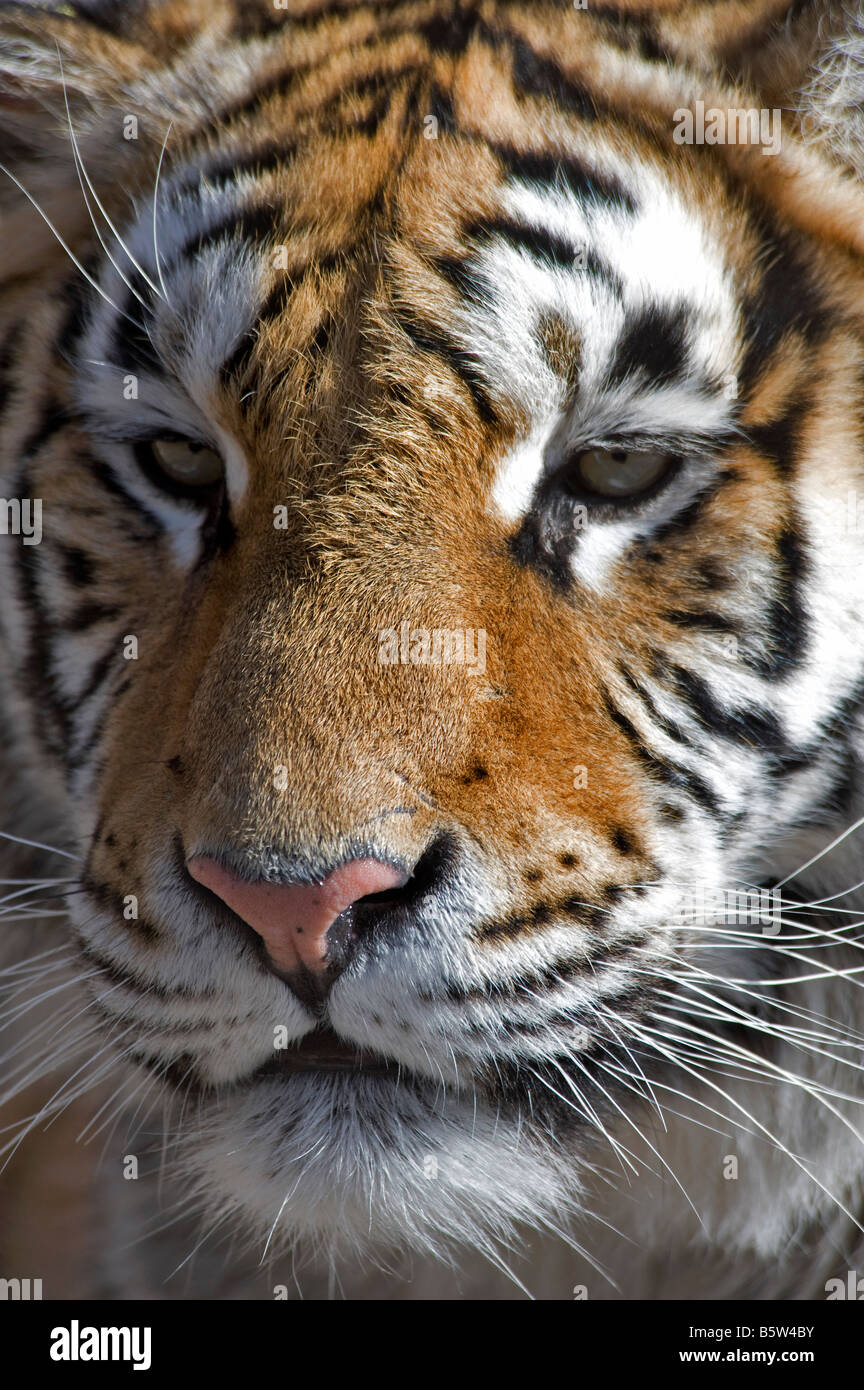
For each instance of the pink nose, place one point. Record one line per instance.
(293, 919)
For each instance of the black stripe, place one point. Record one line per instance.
(9, 352)
(684, 520)
(53, 418)
(544, 979)
(278, 84)
(235, 363)
(464, 275)
(368, 125)
(652, 346)
(779, 440)
(332, 118)
(107, 478)
(222, 170)
(520, 923)
(633, 31)
(112, 16)
(321, 338)
(283, 82)
(668, 726)
(259, 223)
(836, 729)
(110, 901)
(452, 33)
(102, 669)
(785, 634)
(118, 975)
(662, 768)
(428, 338)
(785, 298)
(331, 9)
(703, 621)
(440, 104)
(130, 342)
(278, 297)
(38, 681)
(88, 614)
(81, 753)
(754, 728)
(49, 712)
(550, 168)
(77, 565)
(275, 304)
(77, 294)
(256, 21)
(375, 83)
(713, 575)
(536, 76)
(623, 840)
(540, 242)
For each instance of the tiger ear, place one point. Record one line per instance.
(70, 90)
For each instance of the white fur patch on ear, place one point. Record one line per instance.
(832, 105)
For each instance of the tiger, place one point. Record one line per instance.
(431, 440)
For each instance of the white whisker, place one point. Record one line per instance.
(155, 214)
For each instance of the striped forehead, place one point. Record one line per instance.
(634, 280)
(607, 250)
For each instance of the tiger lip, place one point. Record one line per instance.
(325, 1051)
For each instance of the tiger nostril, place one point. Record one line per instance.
(310, 926)
(386, 898)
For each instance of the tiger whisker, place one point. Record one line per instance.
(609, 1023)
(155, 214)
(632, 1123)
(653, 1038)
(587, 1111)
(78, 266)
(82, 174)
(141, 271)
(36, 844)
(822, 853)
(758, 1026)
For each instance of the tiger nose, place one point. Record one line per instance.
(293, 919)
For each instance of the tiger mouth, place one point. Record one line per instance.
(324, 1051)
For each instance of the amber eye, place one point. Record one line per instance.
(620, 472)
(181, 460)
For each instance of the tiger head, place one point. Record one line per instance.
(446, 585)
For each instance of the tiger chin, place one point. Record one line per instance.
(432, 704)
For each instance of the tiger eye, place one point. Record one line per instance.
(621, 472)
(187, 462)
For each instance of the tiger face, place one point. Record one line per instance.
(441, 596)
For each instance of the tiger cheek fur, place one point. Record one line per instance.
(402, 277)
